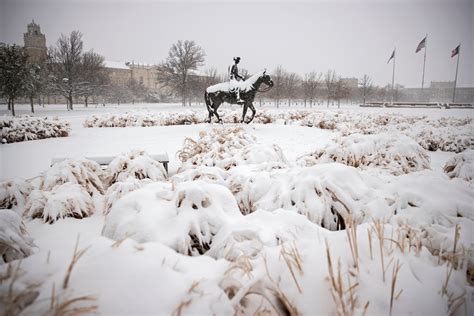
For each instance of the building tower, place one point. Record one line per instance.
(35, 43)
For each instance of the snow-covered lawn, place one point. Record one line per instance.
(323, 211)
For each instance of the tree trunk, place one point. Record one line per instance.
(32, 105)
(13, 106)
(70, 102)
(85, 102)
(9, 104)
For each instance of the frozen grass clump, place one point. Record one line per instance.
(15, 242)
(228, 147)
(461, 166)
(453, 139)
(134, 164)
(65, 200)
(185, 218)
(395, 153)
(119, 189)
(13, 194)
(24, 128)
(83, 172)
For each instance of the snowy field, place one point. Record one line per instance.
(338, 211)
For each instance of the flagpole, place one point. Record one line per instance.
(456, 77)
(393, 73)
(424, 62)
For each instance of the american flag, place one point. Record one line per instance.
(455, 51)
(392, 56)
(421, 45)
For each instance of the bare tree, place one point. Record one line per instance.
(341, 91)
(13, 72)
(35, 82)
(366, 87)
(330, 81)
(66, 67)
(311, 83)
(93, 74)
(277, 91)
(174, 71)
(291, 82)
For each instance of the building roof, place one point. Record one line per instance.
(116, 64)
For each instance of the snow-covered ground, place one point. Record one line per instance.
(254, 219)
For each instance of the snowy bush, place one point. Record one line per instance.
(326, 194)
(65, 200)
(446, 139)
(134, 164)
(119, 189)
(185, 219)
(144, 119)
(84, 172)
(227, 147)
(14, 240)
(13, 194)
(24, 128)
(208, 174)
(461, 166)
(395, 153)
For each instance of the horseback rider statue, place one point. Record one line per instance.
(234, 76)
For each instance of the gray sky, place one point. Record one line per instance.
(351, 37)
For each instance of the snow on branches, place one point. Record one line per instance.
(24, 128)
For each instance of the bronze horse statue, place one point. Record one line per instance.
(226, 92)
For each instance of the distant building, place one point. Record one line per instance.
(35, 43)
(442, 84)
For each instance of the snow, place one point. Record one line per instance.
(240, 224)
(116, 64)
(243, 85)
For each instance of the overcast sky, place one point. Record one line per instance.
(351, 37)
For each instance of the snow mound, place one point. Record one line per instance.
(13, 194)
(84, 172)
(65, 200)
(24, 128)
(185, 219)
(395, 153)
(119, 189)
(14, 240)
(134, 164)
(228, 147)
(461, 166)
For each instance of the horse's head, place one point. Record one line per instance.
(266, 79)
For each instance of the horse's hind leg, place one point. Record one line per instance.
(252, 108)
(217, 114)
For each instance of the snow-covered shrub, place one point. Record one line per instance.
(14, 240)
(395, 153)
(120, 188)
(326, 194)
(134, 164)
(227, 147)
(144, 119)
(84, 172)
(209, 174)
(13, 194)
(185, 219)
(65, 200)
(24, 128)
(446, 139)
(461, 166)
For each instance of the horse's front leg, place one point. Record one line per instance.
(217, 114)
(252, 108)
(244, 112)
